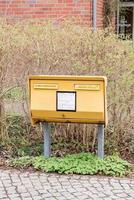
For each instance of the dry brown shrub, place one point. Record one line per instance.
(43, 48)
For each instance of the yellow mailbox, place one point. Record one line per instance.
(69, 99)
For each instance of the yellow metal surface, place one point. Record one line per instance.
(45, 86)
(88, 87)
(90, 99)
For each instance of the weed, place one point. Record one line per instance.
(83, 163)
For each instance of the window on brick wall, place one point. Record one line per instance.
(125, 19)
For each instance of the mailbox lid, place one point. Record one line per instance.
(62, 77)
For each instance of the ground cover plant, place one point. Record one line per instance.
(45, 48)
(83, 163)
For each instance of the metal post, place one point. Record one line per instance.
(118, 17)
(101, 141)
(94, 15)
(133, 23)
(47, 139)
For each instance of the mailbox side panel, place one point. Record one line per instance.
(33, 121)
(105, 101)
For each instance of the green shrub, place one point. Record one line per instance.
(83, 163)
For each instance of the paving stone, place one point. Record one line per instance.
(127, 181)
(13, 196)
(83, 197)
(27, 198)
(71, 190)
(33, 192)
(46, 195)
(16, 198)
(117, 186)
(116, 191)
(21, 189)
(122, 195)
(129, 198)
(61, 198)
(15, 185)
(81, 189)
(131, 194)
(2, 196)
(5, 199)
(25, 194)
(126, 186)
(37, 198)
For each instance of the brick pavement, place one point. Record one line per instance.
(16, 185)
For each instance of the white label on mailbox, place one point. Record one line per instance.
(66, 101)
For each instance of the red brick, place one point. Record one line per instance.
(82, 9)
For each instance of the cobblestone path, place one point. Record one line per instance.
(16, 185)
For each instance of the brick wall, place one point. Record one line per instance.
(100, 13)
(51, 9)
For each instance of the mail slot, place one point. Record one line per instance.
(80, 99)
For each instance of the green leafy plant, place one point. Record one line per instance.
(83, 163)
(23, 162)
(14, 94)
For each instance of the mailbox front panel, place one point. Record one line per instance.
(67, 99)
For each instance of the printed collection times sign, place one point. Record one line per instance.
(66, 101)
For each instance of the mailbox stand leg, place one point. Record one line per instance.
(101, 141)
(47, 139)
